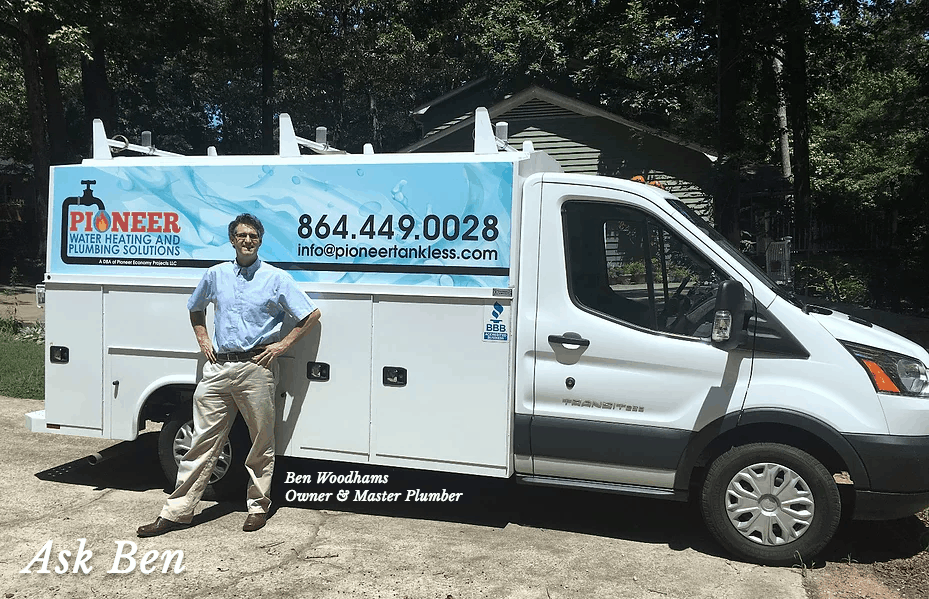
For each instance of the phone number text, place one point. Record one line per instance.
(451, 227)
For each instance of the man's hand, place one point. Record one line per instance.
(274, 350)
(198, 322)
(270, 353)
(206, 348)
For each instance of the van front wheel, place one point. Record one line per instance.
(771, 503)
(229, 477)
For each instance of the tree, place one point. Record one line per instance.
(797, 20)
(216, 72)
(13, 130)
(729, 69)
(354, 67)
(29, 26)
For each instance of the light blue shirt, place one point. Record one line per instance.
(249, 303)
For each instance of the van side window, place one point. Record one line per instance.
(624, 265)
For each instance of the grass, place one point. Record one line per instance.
(22, 367)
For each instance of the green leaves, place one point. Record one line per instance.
(872, 117)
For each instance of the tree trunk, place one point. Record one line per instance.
(54, 106)
(267, 77)
(98, 97)
(783, 138)
(726, 208)
(29, 43)
(375, 124)
(783, 133)
(795, 56)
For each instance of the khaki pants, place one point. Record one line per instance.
(225, 390)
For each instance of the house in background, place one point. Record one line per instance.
(19, 230)
(17, 191)
(583, 138)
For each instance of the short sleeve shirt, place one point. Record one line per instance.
(250, 303)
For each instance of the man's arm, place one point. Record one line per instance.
(276, 349)
(198, 322)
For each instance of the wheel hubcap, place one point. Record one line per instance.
(769, 504)
(184, 439)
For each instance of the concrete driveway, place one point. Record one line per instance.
(20, 302)
(499, 540)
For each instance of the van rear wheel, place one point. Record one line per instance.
(229, 477)
(770, 503)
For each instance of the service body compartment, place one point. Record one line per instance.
(404, 255)
(74, 381)
(454, 406)
(329, 419)
(147, 344)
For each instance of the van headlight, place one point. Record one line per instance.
(891, 372)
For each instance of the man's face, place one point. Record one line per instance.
(246, 243)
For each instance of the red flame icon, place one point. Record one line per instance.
(102, 221)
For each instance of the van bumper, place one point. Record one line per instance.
(35, 421)
(898, 469)
(874, 505)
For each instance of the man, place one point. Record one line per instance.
(249, 298)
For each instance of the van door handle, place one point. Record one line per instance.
(569, 340)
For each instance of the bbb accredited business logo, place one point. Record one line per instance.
(496, 327)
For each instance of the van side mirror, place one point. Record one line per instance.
(729, 315)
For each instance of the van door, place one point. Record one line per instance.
(624, 369)
(74, 385)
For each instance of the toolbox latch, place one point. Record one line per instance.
(394, 376)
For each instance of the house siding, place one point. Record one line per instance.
(593, 144)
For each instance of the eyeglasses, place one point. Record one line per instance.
(244, 236)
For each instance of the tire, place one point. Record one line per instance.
(229, 477)
(745, 504)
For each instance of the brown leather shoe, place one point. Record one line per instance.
(159, 527)
(254, 521)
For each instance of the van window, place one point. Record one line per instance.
(624, 265)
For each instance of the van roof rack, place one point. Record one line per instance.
(290, 142)
(102, 144)
(487, 140)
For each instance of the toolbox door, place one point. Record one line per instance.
(74, 356)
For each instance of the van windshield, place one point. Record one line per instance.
(724, 243)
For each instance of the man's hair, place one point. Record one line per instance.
(247, 219)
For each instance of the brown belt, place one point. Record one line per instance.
(244, 356)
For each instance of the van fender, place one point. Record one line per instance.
(739, 426)
(155, 385)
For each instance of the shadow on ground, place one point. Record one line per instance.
(498, 502)
(867, 542)
(133, 466)
(130, 466)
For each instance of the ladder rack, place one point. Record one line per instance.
(486, 140)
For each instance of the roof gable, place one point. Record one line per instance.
(535, 103)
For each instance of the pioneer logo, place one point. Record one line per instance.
(92, 235)
(123, 222)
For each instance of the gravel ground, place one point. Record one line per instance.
(500, 541)
(877, 560)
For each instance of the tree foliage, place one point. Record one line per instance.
(210, 72)
(14, 138)
(872, 112)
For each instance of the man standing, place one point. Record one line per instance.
(249, 298)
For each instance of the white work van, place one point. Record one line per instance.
(486, 314)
